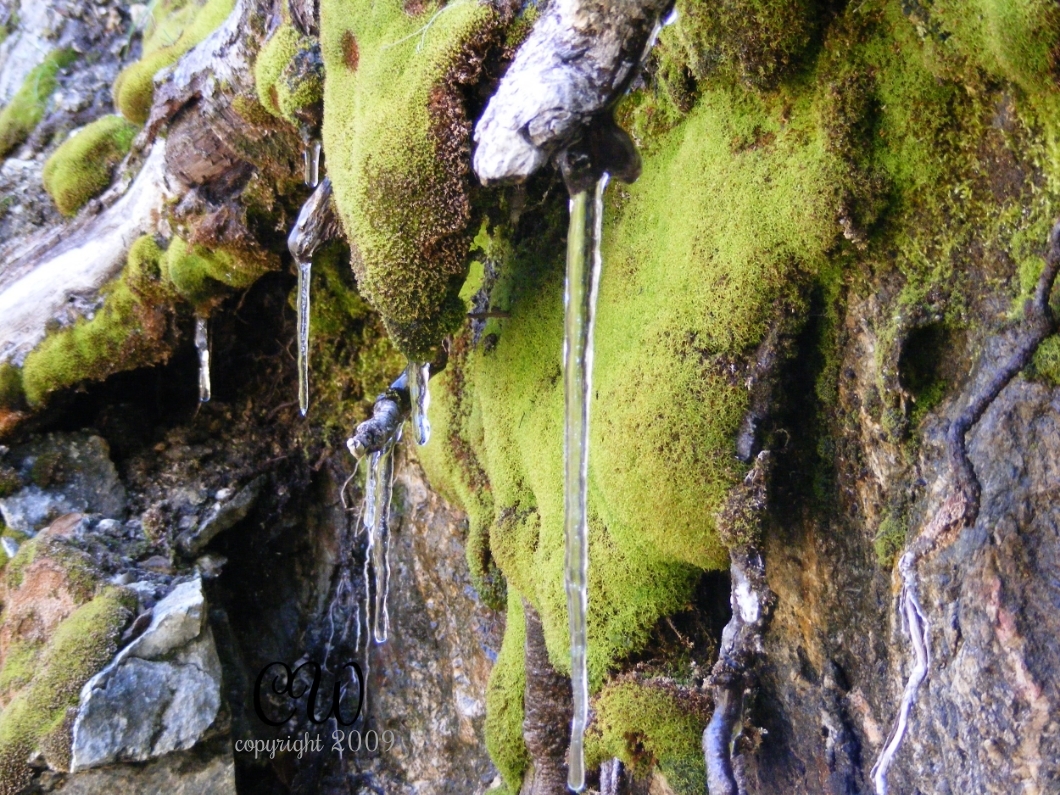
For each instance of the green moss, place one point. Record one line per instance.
(82, 167)
(890, 539)
(129, 330)
(648, 725)
(749, 198)
(11, 394)
(288, 74)
(1046, 362)
(20, 665)
(80, 647)
(24, 112)
(134, 88)
(504, 700)
(396, 140)
(755, 41)
(202, 275)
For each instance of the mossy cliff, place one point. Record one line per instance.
(784, 162)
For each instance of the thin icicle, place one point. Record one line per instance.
(305, 268)
(583, 281)
(377, 521)
(420, 397)
(316, 225)
(202, 345)
(311, 161)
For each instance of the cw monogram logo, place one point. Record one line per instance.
(284, 684)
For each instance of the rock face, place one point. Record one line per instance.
(160, 694)
(64, 473)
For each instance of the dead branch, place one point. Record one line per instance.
(560, 89)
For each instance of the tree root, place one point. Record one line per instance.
(961, 507)
(548, 707)
(741, 640)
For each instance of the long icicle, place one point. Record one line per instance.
(583, 281)
(420, 397)
(379, 535)
(305, 268)
(202, 345)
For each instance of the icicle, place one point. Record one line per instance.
(316, 225)
(304, 270)
(377, 495)
(420, 397)
(311, 161)
(202, 345)
(583, 281)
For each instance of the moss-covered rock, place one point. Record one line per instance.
(651, 724)
(36, 718)
(396, 137)
(289, 75)
(134, 88)
(83, 166)
(24, 112)
(129, 330)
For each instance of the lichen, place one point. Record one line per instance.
(81, 645)
(134, 88)
(82, 167)
(130, 330)
(288, 74)
(504, 700)
(650, 724)
(24, 112)
(396, 138)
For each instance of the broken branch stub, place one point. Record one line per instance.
(560, 90)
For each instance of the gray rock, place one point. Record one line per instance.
(160, 694)
(87, 482)
(175, 774)
(221, 517)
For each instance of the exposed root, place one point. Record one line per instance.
(733, 673)
(741, 640)
(390, 410)
(547, 714)
(961, 507)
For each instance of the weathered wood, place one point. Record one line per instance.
(560, 90)
(59, 275)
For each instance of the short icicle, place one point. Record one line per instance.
(202, 345)
(311, 161)
(420, 397)
(583, 280)
(377, 495)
